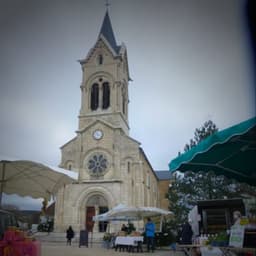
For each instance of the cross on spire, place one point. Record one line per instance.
(107, 4)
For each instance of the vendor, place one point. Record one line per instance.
(124, 228)
(237, 217)
(186, 234)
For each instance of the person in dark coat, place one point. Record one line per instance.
(124, 228)
(186, 234)
(69, 235)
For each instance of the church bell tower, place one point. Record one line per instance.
(105, 80)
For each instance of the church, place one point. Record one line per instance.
(112, 167)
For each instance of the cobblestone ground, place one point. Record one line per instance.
(60, 249)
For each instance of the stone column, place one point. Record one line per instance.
(59, 210)
(96, 223)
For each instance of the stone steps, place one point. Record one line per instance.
(60, 237)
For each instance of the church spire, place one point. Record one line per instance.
(107, 31)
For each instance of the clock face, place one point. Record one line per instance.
(97, 134)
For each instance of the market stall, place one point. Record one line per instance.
(232, 153)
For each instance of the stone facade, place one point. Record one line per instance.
(164, 182)
(111, 165)
(163, 187)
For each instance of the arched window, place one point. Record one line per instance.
(148, 181)
(69, 165)
(123, 101)
(95, 97)
(106, 95)
(100, 59)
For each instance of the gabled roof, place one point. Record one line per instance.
(107, 31)
(104, 122)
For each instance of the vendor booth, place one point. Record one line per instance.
(232, 153)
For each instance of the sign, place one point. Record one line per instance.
(236, 236)
(83, 238)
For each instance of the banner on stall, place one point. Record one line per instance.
(236, 236)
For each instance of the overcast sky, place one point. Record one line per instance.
(190, 61)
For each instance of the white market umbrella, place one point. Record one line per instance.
(107, 215)
(28, 178)
(140, 212)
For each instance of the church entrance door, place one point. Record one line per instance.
(96, 204)
(90, 212)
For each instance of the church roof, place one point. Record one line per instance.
(163, 175)
(107, 31)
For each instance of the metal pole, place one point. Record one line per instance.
(2, 182)
(161, 223)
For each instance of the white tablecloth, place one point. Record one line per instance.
(210, 251)
(128, 240)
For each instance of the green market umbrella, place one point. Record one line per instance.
(230, 152)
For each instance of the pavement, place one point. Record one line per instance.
(60, 249)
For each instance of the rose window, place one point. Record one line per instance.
(97, 164)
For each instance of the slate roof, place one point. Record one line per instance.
(107, 31)
(163, 175)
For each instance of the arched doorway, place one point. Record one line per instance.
(96, 204)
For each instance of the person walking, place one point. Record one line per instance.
(150, 235)
(69, 235)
